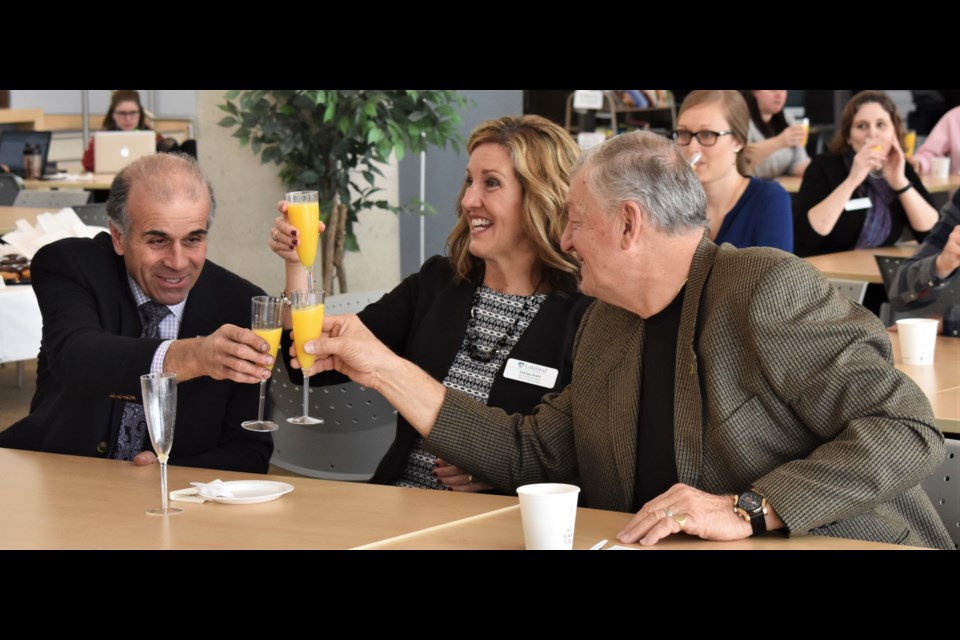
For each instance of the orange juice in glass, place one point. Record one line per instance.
(303, 211)
(272, 336)
(806, 131)
(909, 143)
(266, 321)
(307, 325)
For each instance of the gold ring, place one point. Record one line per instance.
(680, 519)
(275, 238)
(667, 513)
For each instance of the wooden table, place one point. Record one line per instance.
(503, 529)
(53, 501)
(10, 215)
(69, 502)
(860, 264)
(931, 183)
(92, 182)
(940, 381)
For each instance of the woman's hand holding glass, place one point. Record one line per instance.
(793, 136)
(868, 160)
(284, 237)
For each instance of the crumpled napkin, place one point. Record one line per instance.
(192, 494)
(50, 227)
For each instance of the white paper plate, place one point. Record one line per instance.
(245, 491)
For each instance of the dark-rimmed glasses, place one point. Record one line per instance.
(706, 138)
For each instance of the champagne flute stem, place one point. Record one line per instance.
(263, 395)
(306, 397)
(163, 486)
(309, 270)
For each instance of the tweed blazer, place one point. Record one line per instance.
(781, 385)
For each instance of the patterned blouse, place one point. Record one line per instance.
(498, 320)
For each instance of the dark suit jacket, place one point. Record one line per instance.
(781, 385)
(91, 359)
(424, 319)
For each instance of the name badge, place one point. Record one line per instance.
(530, 373)
(857, 203)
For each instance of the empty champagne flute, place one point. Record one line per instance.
(303, 211)
(307, 311)
(160, 410)
(266, 320)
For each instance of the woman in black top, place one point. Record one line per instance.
(504, 300)
(863, 193)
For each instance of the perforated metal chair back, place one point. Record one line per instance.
(889, 265)
(9, 188)
(941, 486)
(853, 289)
(359, 424)
(93, 214)
(55, 199)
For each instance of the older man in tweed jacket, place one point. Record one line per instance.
(784, 411)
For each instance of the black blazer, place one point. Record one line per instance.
(424, 319)
(91, 359)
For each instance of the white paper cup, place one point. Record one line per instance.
(940, 168)
(918, 339)
(549, 514)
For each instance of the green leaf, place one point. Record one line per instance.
(232, 94)
(375, 136)
(308, 177)
(229, 121)
(398, 149)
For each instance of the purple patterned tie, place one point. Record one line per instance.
(133, 424)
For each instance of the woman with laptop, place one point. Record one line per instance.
(125, 114)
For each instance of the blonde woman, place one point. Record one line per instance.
(505, 291)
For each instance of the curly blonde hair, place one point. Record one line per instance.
(542, 154)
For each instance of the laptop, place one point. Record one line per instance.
(12, 143)
(114, 150)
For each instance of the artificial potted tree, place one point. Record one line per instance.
(333, 142)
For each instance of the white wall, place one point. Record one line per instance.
(166, 102)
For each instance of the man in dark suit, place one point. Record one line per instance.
(718, 391)
(145, 299)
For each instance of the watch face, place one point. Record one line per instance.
(750, 501)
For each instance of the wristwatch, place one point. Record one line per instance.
(752, 507)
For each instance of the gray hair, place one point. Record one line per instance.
(647, 169)
(163, 175)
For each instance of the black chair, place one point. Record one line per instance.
(889, 266)
(94, 215)
(9, 188)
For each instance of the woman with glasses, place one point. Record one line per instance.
(125, 114)
(862, 193)
(743, 211)
(774, 142)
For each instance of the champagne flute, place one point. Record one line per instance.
(307, 325)
(266, 320)
(160, 410)
(303, 211)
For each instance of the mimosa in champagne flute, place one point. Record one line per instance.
(303, 211)
(266, 320)
(160, 410)
(307, 314)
